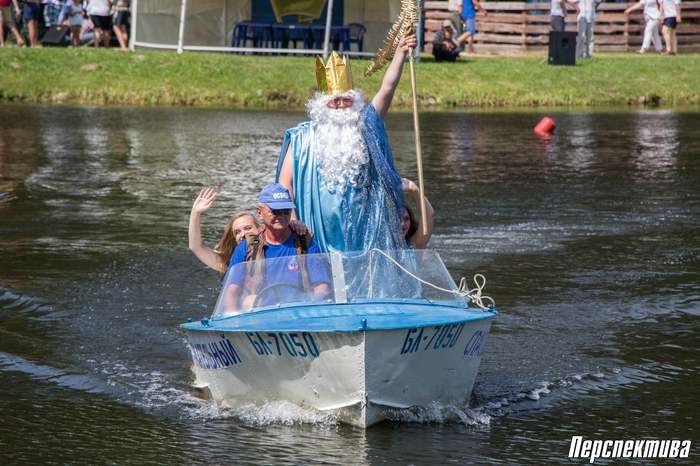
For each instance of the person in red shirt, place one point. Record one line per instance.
(6, 21)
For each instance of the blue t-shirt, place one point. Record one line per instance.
(281, 271)
(468, 9)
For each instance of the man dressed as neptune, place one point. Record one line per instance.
(339, 166)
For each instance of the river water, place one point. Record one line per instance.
(589, 241)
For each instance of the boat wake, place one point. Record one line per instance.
(273, 413)
(442, 414)
(284, 413)
(289, 414)
(575, 389)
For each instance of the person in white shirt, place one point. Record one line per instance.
(100, 12)
(586, 18)
(671, 14)
(651, 30)
(558, 13)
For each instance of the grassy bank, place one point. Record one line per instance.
(88, 76)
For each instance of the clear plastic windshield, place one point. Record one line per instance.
(335, 277)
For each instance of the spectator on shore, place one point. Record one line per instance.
(445, 45)
(558, 14)
(87, 32)
(671, 13)
(100, 12)
(6, 21)
(74, 10)
(651, 30)
(53, 12)
(31, 10)
(586, 19)
(454, 6)
(121, 27)
(468, 13)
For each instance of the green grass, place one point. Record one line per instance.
(60, 75)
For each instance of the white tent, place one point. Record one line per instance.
(207, 25)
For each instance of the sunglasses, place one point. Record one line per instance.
(280, 211)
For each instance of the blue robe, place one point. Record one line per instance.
(363, 217)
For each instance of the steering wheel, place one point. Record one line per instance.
(273, 287)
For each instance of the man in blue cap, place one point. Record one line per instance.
(274, 241)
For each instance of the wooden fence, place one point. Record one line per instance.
(520, 26)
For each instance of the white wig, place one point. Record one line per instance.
(339, 148)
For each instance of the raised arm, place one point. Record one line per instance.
(418, 240)
(382, 100)
(287, 175)
(573, 4)
(636, 6)
(204, 253)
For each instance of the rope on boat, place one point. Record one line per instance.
(474, 294)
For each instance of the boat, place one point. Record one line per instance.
(390, 330)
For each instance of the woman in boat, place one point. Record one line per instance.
(219, 257)
(411, 222)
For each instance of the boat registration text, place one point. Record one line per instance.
(442, 337)
(279, 343)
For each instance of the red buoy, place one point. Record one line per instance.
(546, 126)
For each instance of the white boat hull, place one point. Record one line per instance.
(360, 374)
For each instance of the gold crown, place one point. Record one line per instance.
(335, 76)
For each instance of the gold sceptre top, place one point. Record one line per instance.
(407, 20)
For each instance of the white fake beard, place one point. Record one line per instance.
(339, 148)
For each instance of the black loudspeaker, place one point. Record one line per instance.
(56, 36)
(562, 48)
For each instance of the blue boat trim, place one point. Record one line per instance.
(367, 315)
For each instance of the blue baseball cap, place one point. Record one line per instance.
(276, 197)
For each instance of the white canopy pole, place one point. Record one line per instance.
(134, 16)
(181, 34)
(327, 38)
(223, 26)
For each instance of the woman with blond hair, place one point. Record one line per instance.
(219, 257)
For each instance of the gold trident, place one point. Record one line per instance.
(407, 20)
